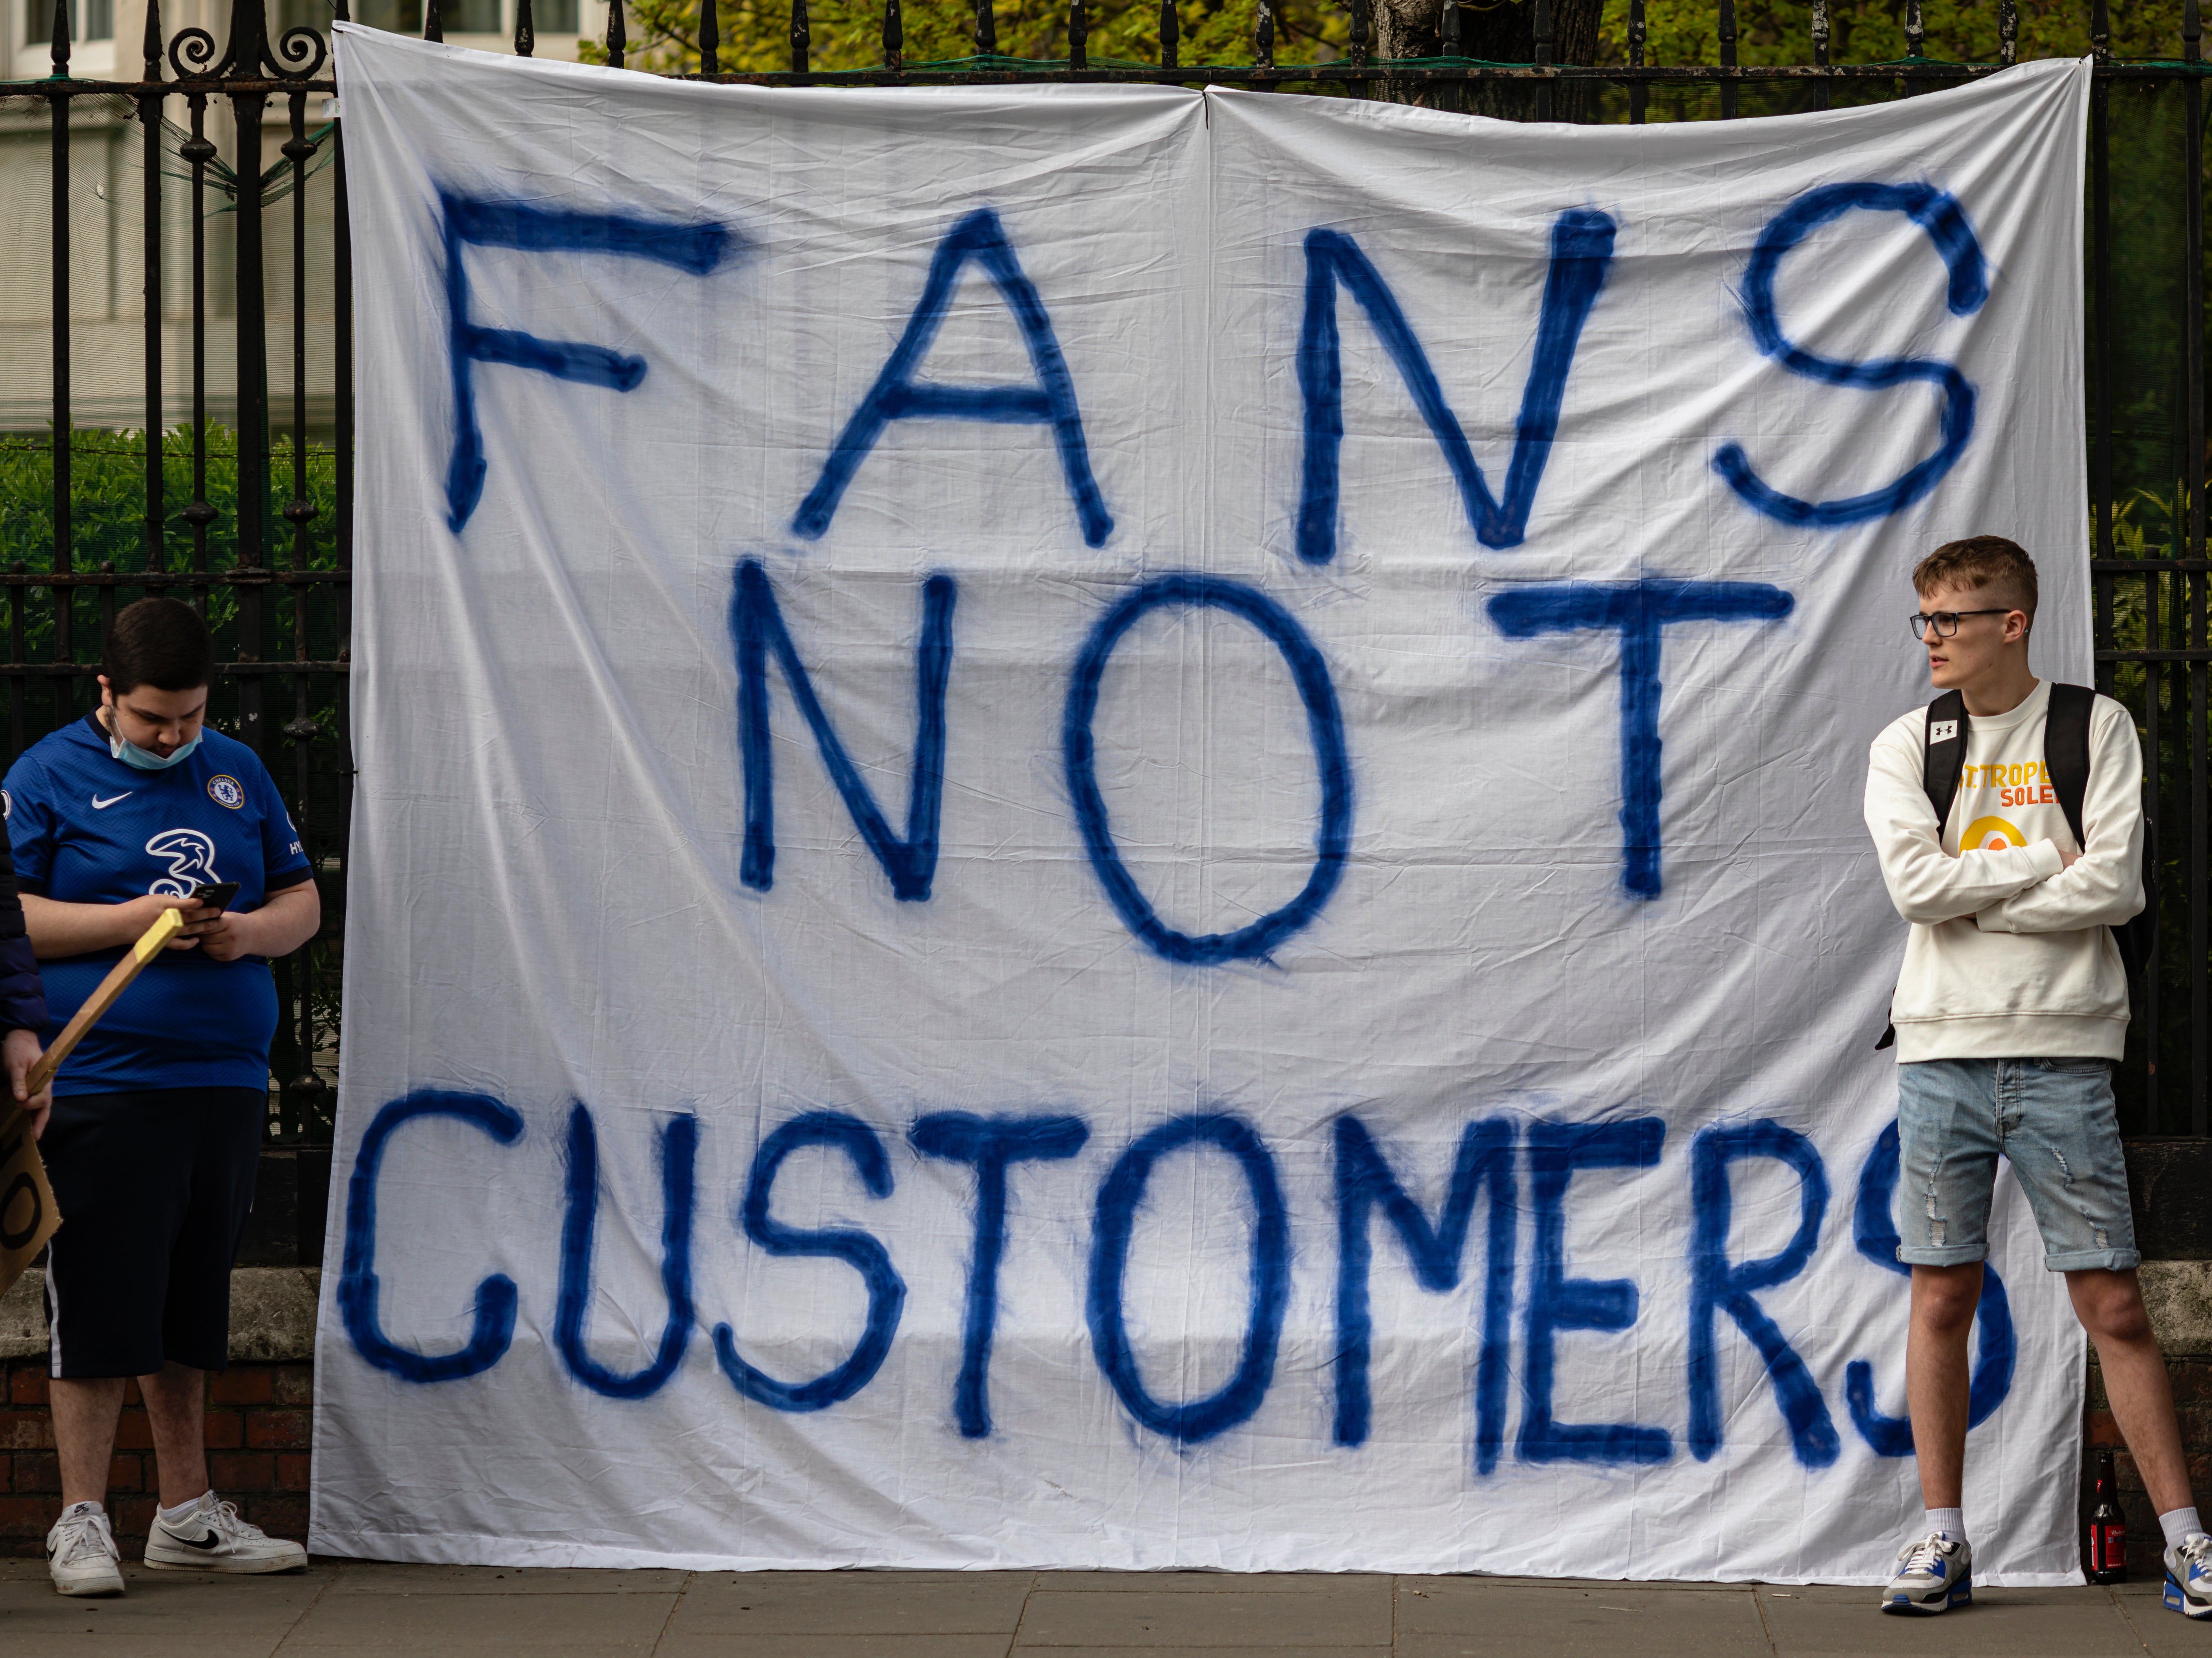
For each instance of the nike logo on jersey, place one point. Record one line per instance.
(99, 804)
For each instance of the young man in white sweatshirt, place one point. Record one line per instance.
(2009, 1011)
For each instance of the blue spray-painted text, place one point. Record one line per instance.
(1368, 1184)
(695, 249)
(1638, 610)
(1582, 252)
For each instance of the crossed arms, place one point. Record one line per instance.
(2039, 888)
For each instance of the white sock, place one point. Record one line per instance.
(174, 1515)
(2178, 1524)
(1952, 1523)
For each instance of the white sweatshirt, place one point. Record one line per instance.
(2010, 955)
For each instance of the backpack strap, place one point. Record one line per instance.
(2066, 751)
(1944, 760)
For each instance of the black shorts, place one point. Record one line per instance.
(153, 1190)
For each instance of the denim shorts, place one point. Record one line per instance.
(2052, 1118)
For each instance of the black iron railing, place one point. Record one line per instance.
(254, 524)
(200, 519)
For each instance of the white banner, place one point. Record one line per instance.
(1110, 826)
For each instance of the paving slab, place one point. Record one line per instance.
(432, 1624)
(1829, 1621)
(353, 1609)
(2164, 1634)
(175, 1614)
(1355, 1615)
(389, 1577)
(1210, 1583)
(834, 1646)
(851, 1603)
(1456, 1618)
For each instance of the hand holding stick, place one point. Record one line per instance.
(150, 943)
(27, 1215)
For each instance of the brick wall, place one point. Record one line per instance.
(259, 1417)
(258, 1422)
(259, 1411)
(2192, 1402)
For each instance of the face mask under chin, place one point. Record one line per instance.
(123, 749)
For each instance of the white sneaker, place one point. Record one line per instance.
(1933, 1574)
(81, 1552)
(2189, 1577)
(212, 1537)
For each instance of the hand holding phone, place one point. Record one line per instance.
(214, 897)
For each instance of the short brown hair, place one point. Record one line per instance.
(1981, 561)
(158, 642)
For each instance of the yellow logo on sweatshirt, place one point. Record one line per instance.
(1990, 835)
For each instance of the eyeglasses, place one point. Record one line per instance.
(1946, 622)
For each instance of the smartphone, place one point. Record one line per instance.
(216, 895)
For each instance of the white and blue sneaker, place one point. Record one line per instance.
(2189, 1577)
(1934, 1575)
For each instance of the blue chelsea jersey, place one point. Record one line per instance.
(88, 829)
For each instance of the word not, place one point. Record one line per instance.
(1505, 1163)
(1638, 611)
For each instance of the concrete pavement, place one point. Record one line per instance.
(338, 1608)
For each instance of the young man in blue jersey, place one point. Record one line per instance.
(155, 1130)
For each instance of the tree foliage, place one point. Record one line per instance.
(1872, 31)
(846, 34)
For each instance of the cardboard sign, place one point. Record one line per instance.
(27, 1215)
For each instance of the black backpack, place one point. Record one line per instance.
(2066, 754)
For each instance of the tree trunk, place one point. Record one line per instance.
(1504, 32)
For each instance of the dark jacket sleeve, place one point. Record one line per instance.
(22, 998)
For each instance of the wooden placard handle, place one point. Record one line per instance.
(150, 943)
(27, 1217)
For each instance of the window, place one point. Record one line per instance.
(89, 20)
(288, 14)
(406, 16)
(399, 16)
